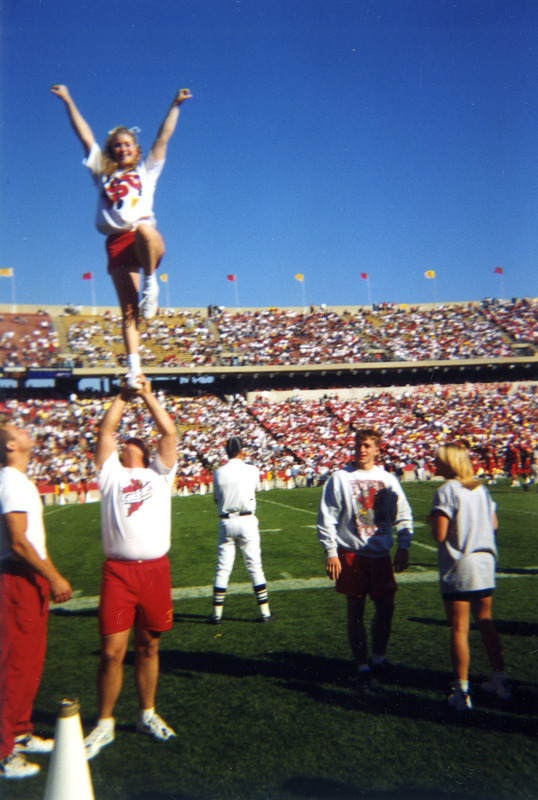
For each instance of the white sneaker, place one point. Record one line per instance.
(96, 740)
(460, 701)
(156, 727)
(132, 381)
(500, 689)
(149, 302)
(28, 743)
(15, 766)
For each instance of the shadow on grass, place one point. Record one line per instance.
(401, 692)
(323, 789)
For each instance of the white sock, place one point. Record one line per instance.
(106, 724)
(462, 686)
(150, 281)
(133, 363)
(146, 714)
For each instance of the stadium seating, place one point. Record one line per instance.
(276, 337)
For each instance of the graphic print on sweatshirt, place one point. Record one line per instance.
(369, 500)
(120, 187)
(134, 495)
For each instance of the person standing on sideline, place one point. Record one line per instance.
(234, 491)
(136, 588)
(359, 506)
(463, 522)
(125, 188)
(27, 578)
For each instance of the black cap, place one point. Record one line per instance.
(234, 445)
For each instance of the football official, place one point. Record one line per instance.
(234, 490)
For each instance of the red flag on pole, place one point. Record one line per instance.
(87, 276)
(364, 276)
(231, 278)
(498, 270)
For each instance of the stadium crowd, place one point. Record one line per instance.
(277, 337)
(298, 441)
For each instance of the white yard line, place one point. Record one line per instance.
(285, 585)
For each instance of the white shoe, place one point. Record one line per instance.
(28, 743)
(132, 381)
(156, 727)
(149, 302)
(500, 689)
(15, 766)
(96, 740)
(460, 701)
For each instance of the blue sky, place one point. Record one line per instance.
(328, 138)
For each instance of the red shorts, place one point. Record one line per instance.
(135, 592)
(121, 250)
(362, 576)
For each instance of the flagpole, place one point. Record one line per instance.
(369, 290)
(13, 304)
(500, 273)
(303, 290)
(94, 309)
(236, 293)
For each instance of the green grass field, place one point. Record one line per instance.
(268, 712)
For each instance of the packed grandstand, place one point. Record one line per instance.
(296, 438)
(274, 337)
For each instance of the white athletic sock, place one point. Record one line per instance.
(106, 724)
(150, 281)
(145, 714)
(133, 363)
(462, 686)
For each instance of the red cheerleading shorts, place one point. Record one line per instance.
(362, 576)
(135, 593)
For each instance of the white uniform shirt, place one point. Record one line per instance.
(135, 509)
(358, 510)
(468, 555)
(19, 494)
(234, 487)
(124, 198)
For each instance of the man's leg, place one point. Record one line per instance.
(146, 666)
(146, 677)
(252, 556)
(356, 631)
(109, 681)
(225, 562)
(381, 625)
(110, 671)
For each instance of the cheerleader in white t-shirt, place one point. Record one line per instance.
(463, 522)
(126, 186)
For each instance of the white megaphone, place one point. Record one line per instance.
(68, 777)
